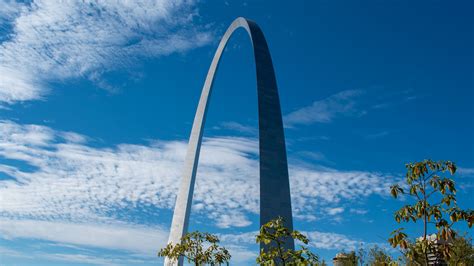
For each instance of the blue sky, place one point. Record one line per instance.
(97, 102)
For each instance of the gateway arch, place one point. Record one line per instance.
(274, 184)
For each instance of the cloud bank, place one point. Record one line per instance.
(52, 41)
(56, 175)
(139, 239)
(58, 186)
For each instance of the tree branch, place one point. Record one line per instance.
(429, 176)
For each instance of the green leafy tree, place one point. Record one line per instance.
(192, 248)
(274, 234)
(462, 251)
(377, 256)
(347, 259)
(352, 258)
(434, 200)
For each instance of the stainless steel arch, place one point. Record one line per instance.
(274, 184)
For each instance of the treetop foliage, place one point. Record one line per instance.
(192, 248)
(434, 197)
(274, 233)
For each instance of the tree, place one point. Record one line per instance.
(374, 256)
(434, 201)
(361, 255)
(347, 259)
(378, 257)
(462, 251)
(274, 234)
(192, 247)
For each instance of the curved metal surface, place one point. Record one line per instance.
(274, 183)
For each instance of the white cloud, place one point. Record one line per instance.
(98, 259)
(335, 211)
(241, 255)
(233, 219)
(239, 239)
(313, 191)
(132, 238)
(462, 171)
(230, 125)
(358, 211)
(10, 9)
(142, 241)
(324, 111)
(73, 137)
(331, 241)
(317, 156)
(318, 240)
(69, 192)
(79, 258)
(54, 41)
(75, 181)
(11, 252)
(28, 135)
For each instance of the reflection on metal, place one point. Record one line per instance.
(274, 184)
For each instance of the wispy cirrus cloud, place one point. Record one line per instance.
(324, 111)
(142, 240)
(359, 211)
(88, 259)
(318, 240)
(9, 10)
(61, 188)
(463, 171)
(55, 41)
(349, 103)
(86, 256)
(68, 178)
(335, 210)
(332, 241)
(238, 127)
